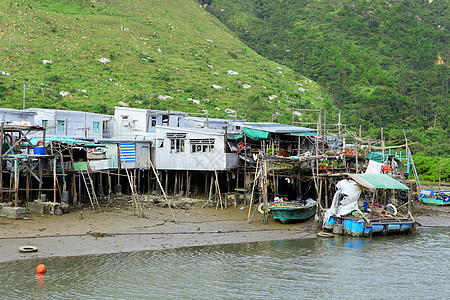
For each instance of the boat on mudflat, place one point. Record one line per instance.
(293, 211)
(432, 197)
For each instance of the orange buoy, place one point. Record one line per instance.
(40, 269)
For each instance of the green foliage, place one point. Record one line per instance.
(428, 168)
(377, 59)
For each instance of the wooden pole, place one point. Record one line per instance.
(16, 182)
(109, 187)
(2, 137)
(253, 188)
(175, 186)
(266, 204)
(136, 203)
(27, 189)
(54, 179)
(245, 168)
(164, 193)
(188, 183)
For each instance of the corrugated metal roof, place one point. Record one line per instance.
(69, 141)
(274, 127)
(378, 181)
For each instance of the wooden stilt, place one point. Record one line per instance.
(109, 187)
(175, 186)
(166, 187)
(27, 188)
(16, 182)
(188, 184)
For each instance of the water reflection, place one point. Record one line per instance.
(316, 268)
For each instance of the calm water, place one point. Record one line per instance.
(415, 266)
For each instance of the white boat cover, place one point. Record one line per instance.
(345, 199)
(374, 167)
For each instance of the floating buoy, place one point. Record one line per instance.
(261, 208)
(27, 249)
(392, 209)
(40, 269)
(325, 234)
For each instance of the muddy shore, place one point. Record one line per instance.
(117, 229)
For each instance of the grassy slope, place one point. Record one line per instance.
(155, 47)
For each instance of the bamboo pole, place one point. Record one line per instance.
(253, 189)
(16, 181)
(136, 204)
(265, 193)
(2, 138)
(162, 189)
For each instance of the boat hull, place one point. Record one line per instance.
(431, 197)
(357, 227)
(287, 214)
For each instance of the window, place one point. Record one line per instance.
(96, 127)
(125, 121)
(44, 123)
(165, 120)
(160, 143)
(176, 141)
(60, 125)
(201, 145)
(176, 145)
(153, 121)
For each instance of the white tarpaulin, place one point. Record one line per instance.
(374, 167)
(345, 199)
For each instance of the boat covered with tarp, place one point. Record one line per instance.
(432, 197)
(364, 205)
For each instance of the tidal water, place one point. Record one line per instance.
(396, 267)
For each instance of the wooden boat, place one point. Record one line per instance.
(431, 197)
(293, 211)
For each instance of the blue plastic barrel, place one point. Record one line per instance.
(39, 150)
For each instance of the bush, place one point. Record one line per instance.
(428, 168)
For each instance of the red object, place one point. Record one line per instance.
(40, 269)
(386, 168)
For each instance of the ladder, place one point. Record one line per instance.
(90, 189)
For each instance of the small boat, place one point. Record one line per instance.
(292, 211)
(431, 197)
(351, 213)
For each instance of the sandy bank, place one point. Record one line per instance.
(117, 229)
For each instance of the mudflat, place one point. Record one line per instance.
(117, 229)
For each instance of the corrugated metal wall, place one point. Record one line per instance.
(128, 155)
(112, 155)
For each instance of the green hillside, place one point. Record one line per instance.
(384, 62)
(94, 55)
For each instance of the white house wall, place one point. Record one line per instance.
(129, 123)
(77, 124)
(186, 160)
(14, 115)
